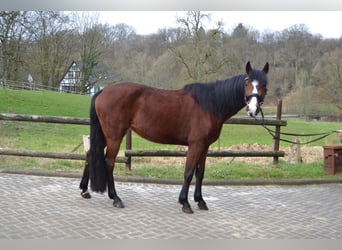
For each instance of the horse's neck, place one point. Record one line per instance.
(233, 97)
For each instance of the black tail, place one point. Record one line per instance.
(98, 172)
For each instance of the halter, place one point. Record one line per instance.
(259, 99)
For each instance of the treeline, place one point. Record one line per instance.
(305, 69)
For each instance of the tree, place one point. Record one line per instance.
(91, 37)
(51, 39)
(328, 74)
(200, 52)
(240, 32)
(12, 34)
(300, 50)
(244, 44)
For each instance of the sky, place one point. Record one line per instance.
(326, 23)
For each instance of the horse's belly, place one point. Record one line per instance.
(160, 134)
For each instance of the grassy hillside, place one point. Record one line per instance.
(43, 103)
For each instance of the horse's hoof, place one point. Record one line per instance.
(202, 205)
(86, 195)
(118, 204)
(187, 210)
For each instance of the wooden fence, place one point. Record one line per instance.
(129, 152)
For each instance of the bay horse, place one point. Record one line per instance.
(192, 116)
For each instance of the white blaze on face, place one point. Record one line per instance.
(253, 103)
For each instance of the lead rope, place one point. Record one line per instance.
(272, 133)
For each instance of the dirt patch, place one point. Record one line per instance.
(293, 154)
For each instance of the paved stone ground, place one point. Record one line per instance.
(35, 207)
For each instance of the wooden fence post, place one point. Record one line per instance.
(277, 132)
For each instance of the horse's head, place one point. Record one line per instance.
(256, 88)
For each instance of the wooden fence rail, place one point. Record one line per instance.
(211, 153)
(46, 119)
(51, 155)
(129, 152)
(85, 121)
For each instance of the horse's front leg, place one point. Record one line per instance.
(183, 196)
(193, 156)
(85, 179)
(199, 180)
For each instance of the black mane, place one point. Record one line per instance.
(223, 98)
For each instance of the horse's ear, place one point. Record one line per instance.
(248, 68)
(265, 69)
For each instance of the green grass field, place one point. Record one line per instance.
(64, 138)
(43, 103)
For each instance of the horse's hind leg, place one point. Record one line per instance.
(112, 151)
(85, 179)
(199, 179)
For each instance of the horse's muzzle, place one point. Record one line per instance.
(253, 111)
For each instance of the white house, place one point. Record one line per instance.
(71, 81)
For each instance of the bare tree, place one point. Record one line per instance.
(12, 34)
(91, 36)
(50, 32)
(328, 73)
(200, 53)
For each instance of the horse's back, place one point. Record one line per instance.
(118, 96)
(121, 89)
(156, 114)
